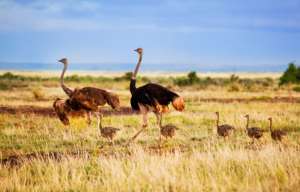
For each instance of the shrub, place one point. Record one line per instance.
(38, 94)
(291, 75)
(297, 89)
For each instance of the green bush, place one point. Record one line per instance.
(297, 89)
(291, 75)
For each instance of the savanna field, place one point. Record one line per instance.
(39, 153)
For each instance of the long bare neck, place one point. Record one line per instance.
(270, 125)
(247, 125)
(66, 89)
(160, 122)
(218, 119)
(100, 122)
(137, 66)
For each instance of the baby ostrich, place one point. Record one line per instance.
(107, 132)
(89, 99)
(223, 130)
(253, 132)
(151, 97)
(276, 135)
(168, 131)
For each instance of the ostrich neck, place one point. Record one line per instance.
(67, 90)
(247, 125)
(218, 119)
(271, 125)
(100, 123)
(137, 66)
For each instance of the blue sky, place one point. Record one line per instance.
(193, 33)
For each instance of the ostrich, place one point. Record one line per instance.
(223, 130)
(61, 110)
(88, 99)
(151, 97)
(253, 132)
(167, 130)
(276, 135)
(107, 132)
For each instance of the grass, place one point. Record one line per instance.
(195, 160)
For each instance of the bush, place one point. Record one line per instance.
(38, 94)
(291, 75)
(297, 89)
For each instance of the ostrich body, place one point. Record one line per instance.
(151, 97)
(61, 109)
(168, 131)
(276, 135)
(107, 132)
(253, 132)
(223, 130)
(89, 99)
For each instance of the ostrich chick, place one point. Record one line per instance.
(107, 132)
(223, 130)
(276, 135)
(253, 132)
(168, 131)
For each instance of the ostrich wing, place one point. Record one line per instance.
(159, 93)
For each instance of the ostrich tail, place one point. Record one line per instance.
(178, 103)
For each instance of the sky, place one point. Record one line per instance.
(189, 34)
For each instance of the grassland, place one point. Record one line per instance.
(40, 154)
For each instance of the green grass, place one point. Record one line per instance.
(195, 160)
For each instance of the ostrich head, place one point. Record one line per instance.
(247, 116)
(270, 118)
(64, 61)
(217, 113)
(61, 108)
(139, 50)
(113, 100)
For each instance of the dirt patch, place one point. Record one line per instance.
(18, 160)
(254, 99)
(49, 111)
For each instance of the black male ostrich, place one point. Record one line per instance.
(88, 99)
(276, 135)
(253, 132)
(223, 130)
(151, 97)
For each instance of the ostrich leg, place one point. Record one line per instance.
(145, 119)
(159, 119)
(89, 117)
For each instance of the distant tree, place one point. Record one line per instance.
(192, 76)
(291, 75)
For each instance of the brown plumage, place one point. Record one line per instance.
(89, 99)
(151, 97)
(168, 131)
(223, 130)
(61, 110)
(253, 132)
(276, 135)
(107, 132)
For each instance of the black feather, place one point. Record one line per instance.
(151, 93)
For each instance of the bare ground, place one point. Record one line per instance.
(48, 111)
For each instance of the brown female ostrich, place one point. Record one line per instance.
(276, 135)
(223, 130)
(168, 131)
(107, 132)
(151, 97)
(253, 132)
(88, 99)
